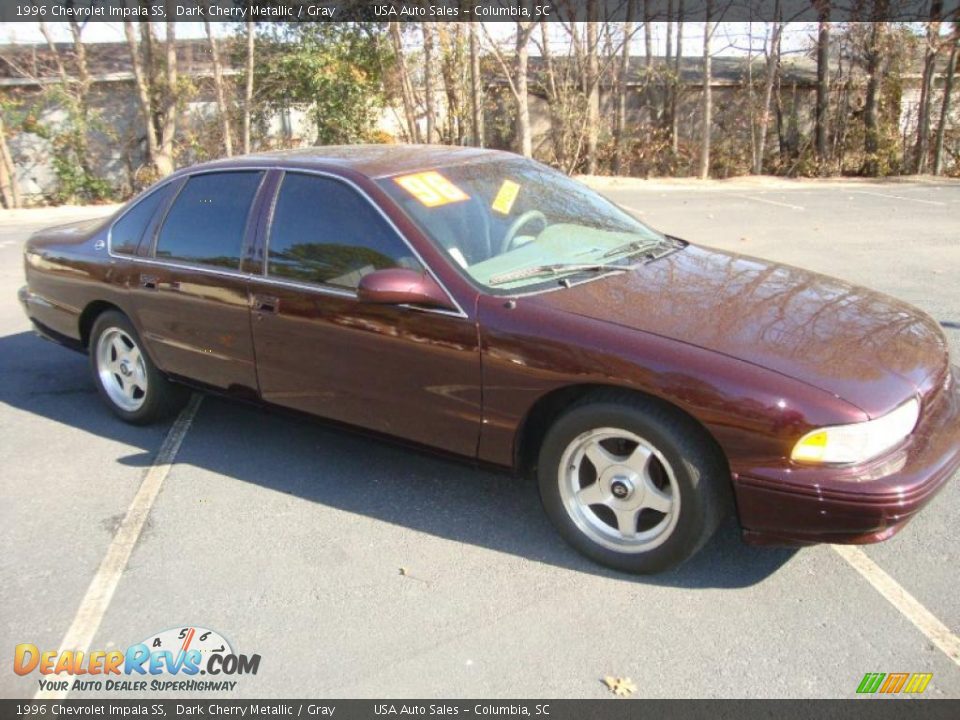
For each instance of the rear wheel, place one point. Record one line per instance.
(126, 378)
(632, 483)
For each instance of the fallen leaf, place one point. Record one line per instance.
(620, 686)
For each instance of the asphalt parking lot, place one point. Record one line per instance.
(289, 538)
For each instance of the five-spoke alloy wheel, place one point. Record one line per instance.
(632, 482)
(620, 490)
(121, 369)
(126, 378)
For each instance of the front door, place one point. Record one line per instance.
(409, 372)
(192, 298)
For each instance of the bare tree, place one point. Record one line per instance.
(708, 28)
(647, 36)
(452, 70)
(9, 187)
(218, 85)
(406, 86)
(871, 114)
(921, 148)
(74, 91)
(517, 80)
(157, 96)
(772, 68)
(675, 83)
(476, 87)
(823, 81)
(945, 105)
(620, 127)
(591, 87)
(248, 89)
(428, 76)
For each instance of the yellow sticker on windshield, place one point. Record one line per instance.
(506, 196)
(431, 188)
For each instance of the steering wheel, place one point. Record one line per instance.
(528, 216)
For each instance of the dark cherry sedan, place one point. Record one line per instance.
(489, 307)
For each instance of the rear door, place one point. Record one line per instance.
(191, 292)
(407, 371)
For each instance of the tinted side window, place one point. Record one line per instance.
(206, 222)
(127, 232)
(323, 231)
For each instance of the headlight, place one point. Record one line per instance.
(860, 441)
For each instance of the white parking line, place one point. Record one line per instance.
(935, 631)
(897, 197)
(768, 202)
(94, 605)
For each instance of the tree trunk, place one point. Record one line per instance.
(675, 83)
(476, 88)
(620, 127)
(248, 90)
(517, 80)
(823, 83)
(558, 123)
(592, 88)
(945, 106)
(144, 92)
(773, 66)
(647, 38)
(428, 72)
(222, 108)
(922, 147)
(451, 64)
(75, 93)
(708, 28)
(164, 161)
(406, 87)
(871, 113)
(524, 138)
(9, 188)
(669, 28)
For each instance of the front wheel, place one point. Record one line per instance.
(631, 483)
(126, 378)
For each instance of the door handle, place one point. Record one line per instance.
(266, 303)
(149, 282)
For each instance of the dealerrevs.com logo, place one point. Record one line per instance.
(167, 661)
(894, 683)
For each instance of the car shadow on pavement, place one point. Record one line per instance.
(352, 472)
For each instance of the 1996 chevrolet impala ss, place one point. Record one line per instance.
(489, 307)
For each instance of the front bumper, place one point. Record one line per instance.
(791, 504)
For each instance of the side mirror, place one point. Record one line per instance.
(398, 286)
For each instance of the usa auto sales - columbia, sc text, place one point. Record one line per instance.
(488, 710)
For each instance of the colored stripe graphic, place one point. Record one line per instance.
(893, 683)
(918, 682)
(870, 682)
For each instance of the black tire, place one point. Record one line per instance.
(159, 400)
(698, 474)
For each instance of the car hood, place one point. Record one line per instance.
(865, 347)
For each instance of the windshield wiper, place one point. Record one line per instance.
(633, 247)
(553, 269)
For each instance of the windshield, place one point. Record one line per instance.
(515, 224)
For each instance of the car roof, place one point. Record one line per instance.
(373, 161)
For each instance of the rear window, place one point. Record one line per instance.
(127, 232)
